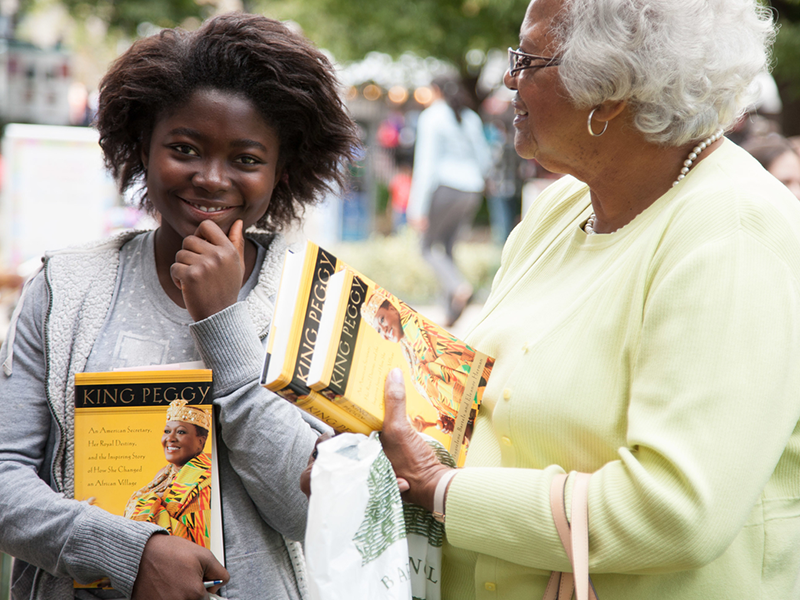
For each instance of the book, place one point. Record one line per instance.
(365, 331)
(293, 333)
(342, 361)
(138, 454)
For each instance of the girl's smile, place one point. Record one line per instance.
(215, 157)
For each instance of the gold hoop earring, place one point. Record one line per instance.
(589, 124)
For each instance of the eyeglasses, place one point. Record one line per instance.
(518, 61)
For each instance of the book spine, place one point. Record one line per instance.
(324, 267)
(303, 336)
(468, 402)
(342, 360)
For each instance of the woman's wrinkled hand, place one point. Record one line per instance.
(209, 269)
(413, 460)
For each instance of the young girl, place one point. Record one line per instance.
(232, 128)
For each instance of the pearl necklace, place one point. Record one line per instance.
(687, 164)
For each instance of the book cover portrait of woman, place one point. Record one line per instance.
(440, 363)
(179, 496)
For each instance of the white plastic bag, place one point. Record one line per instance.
(424, 535)
(355, 538)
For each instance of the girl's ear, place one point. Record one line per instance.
(145, 154)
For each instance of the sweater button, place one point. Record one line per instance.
(506, 440)
(490, 587)
(507, 394)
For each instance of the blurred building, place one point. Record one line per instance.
(34, 84)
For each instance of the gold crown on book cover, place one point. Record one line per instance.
(179, 411)
(371, 306)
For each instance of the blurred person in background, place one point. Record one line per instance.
(502, 189)
(645, 322)
(777, 155)
(451, 162)
(399, 190)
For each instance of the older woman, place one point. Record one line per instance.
(645, 322)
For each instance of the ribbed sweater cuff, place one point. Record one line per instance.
(106, 545)
(229, 347)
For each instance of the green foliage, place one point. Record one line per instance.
(787, 48)
(381, 198)
(395, 262)
(445, 29)
(124, 16)
(787, 59)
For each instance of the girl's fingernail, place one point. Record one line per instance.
(396, 375)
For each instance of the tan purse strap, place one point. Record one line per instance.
(574, 538)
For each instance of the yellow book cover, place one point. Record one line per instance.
(366, 331)
(293, 333)
(144, 449)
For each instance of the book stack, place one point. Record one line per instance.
(336, 334)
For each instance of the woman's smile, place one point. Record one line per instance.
(520, 113)
(181, 442)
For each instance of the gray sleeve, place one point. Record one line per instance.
(268, 440)
(38, 525)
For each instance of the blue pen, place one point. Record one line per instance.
(210, 584)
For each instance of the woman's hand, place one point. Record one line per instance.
(209, 269)
(173, 568)
(412, 458)
(305, 476)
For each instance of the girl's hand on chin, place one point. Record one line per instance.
(209, 269)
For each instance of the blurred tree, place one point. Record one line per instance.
(445, 29)
(786, 70)
(125, 16)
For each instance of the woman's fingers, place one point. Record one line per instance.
(395, 403)
(415, 465)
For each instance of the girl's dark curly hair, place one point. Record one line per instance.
(290, 82)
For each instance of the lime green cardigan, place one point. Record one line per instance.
(665, 359)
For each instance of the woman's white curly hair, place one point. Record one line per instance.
(684, 66)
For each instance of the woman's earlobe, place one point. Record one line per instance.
(610, 110)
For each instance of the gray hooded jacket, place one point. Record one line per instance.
(264, 441)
